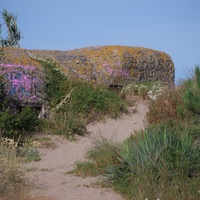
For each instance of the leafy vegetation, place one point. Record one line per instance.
(73, 104)
(14, 125)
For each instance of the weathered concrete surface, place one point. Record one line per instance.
(24, 84)
(107, 65)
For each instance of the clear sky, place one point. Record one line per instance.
(172, 26)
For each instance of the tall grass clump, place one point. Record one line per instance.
(157, 164)
(98, 158)
(192, 93)
(11, 173)
(73, 104)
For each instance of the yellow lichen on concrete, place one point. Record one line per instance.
(108, 65)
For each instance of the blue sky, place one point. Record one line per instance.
(172, 26)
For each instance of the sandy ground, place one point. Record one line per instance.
(48, 175)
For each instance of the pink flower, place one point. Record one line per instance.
(110, 70)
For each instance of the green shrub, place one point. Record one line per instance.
(57, 86)
(27, 120)
(74, 104)
(96, 102)
(21, 123)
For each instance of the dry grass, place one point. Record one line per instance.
(165, 107)
(11, 174)
(24, 195)
(13, 183)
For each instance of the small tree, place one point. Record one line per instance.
(14, 34)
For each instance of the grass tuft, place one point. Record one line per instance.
(11, 174)
(100, 156)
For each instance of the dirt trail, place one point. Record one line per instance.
(49, 173)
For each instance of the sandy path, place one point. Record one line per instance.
(48, 174)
